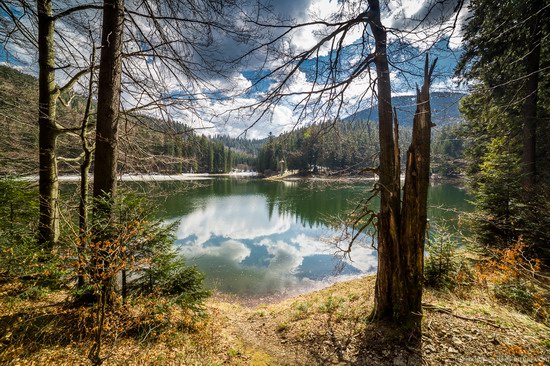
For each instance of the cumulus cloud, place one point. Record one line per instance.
(219, 98)
(255, 251)
(231, 250)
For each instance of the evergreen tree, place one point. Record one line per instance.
(506, 118)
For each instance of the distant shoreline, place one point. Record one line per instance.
(152, 177)
(293, 177)
(288, 177)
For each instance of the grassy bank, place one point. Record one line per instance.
(319, 328)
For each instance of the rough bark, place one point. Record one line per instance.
(108, 100)
(108, 107)
(388, 217)
(389, 184)
(414, 207)
(48, 225)
(401, 226)
(529, 108)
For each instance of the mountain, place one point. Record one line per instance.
(444, 109)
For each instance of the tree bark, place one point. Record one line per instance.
(414, 207)
(48, 225)
(108, 100)
(388, 218)
(401, 226)
(84, 170)
(108, 107)
(529, 107)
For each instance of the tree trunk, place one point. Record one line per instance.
(529, 108)
(414, 210)
(48, 225)
(84, 171)
(108, 107)
(388, 219)
(401, 227)
(108, 100)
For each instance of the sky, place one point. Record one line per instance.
(232, 100)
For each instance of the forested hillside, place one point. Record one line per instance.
(148, 145)
(351, 147)
(152, 145)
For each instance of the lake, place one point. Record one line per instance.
(255, 238)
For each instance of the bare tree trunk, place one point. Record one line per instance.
(414, 210)
(108, 107)
(108, 101)
(529, 108)
(85, 169)
(48, 225)
(401, 226)
(388, 218)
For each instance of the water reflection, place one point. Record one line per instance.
(257, 238)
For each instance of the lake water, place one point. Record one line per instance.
(255, 238)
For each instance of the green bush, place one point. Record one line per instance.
(185, 285)
(21, 258)
(516, 292)
(160, 270)
(140, 246)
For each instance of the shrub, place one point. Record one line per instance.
(140, 246)
(441, 266)
(21, 258)
(514, 280)
(129, 240)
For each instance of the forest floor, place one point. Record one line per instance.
(326, 327)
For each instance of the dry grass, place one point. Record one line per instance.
(319, 328)
(48, 331)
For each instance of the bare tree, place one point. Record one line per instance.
(401, 221)
(50, 94)
(168, 50)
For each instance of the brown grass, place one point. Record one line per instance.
(320, 328)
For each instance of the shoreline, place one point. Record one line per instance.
(150, 177)
(292, 177)
(254, 300)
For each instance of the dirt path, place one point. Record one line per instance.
(329, 327)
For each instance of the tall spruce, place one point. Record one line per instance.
(503, 49)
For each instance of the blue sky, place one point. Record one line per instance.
(227, 102)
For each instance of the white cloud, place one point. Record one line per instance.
(285, 258)
(220, 104)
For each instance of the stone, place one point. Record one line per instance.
(452, 350)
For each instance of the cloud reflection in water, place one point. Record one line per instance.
(249, 250)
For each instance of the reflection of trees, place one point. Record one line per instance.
(311, 203)
(445, 202)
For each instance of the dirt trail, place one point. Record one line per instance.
(329, 327)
